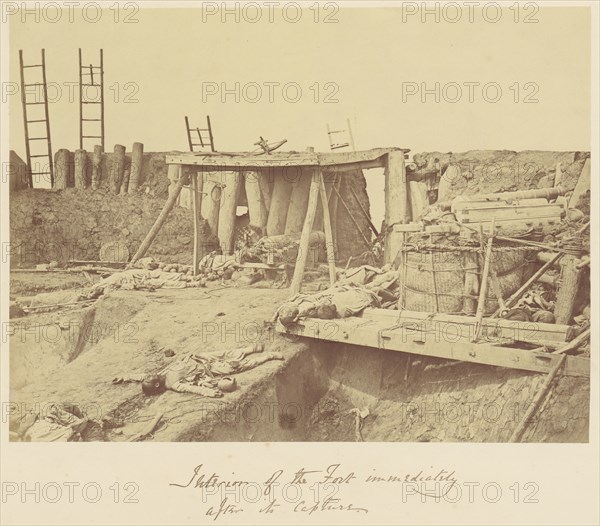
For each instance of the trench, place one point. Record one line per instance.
(336, 392)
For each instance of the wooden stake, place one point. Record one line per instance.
(137, 159)
(256, 206)
(298, 203)
(96, 170)
(160, 220)
(340, 199)
(117, 168)
(567, 294)
(63, 162)
(280, 200)
(304, 238)
(484, 281)
(329, 241)
(80, 162)
(396, 202)
(541, 394)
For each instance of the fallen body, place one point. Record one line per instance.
(202, 373)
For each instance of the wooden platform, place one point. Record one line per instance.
(373, 330)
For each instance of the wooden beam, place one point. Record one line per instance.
(197, 183)
(305, 237)
(483, 284)
(329, 240)
(63, 163)
(462, 327)
(257, 210)
(368, 333)
(211, 204)
(160, 220)
(396, 202)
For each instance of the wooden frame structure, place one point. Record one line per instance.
(391, 159)
(385, 329)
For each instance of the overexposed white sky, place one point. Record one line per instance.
(168, 55)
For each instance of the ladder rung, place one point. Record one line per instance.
(39, 173)
(91, 136)
(96, 120)
(34, 84)
(90, 102)
(98, 85)
(33, 103)
(88, 67)
(37, 138)
(44, 155)
(34, 66)
(38, 120)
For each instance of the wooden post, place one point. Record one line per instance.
(566, 296)
(396, 202)
(329, 241)
(298, 203)
(227, 212)
(483, 286)
(582, 186)
(539, 397)
(418, 201)
(280, 199)
(117, 168)
(256, 207)
(63, 162)
(333, 203)
(96, 170)
(305, 237)
(137, 158)
(162, 217)
(211, 204)
(80, 162)
(197, 184)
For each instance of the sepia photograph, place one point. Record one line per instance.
(231, 229)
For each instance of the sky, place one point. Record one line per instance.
(290, 79)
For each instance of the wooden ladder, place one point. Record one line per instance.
(349, 142)
(205, 136)
(91, 76)
(42, 100)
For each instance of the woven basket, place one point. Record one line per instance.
(448, 281)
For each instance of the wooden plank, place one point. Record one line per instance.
(211, 202)
(305, 237)
(464, 326)
(329, 241)
(345, 161)
(356, 332)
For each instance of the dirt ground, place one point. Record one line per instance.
(319, 392)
